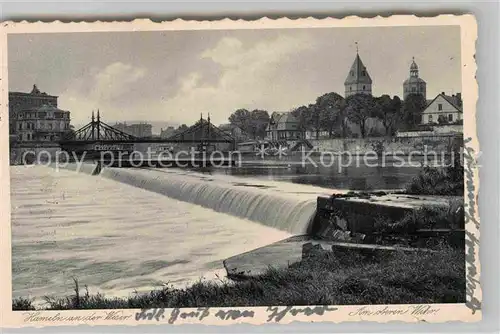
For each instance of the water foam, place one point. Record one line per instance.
(285, 210)
(86, 167)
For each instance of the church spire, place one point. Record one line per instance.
(414, 84)
(413, 68)
(358, 80)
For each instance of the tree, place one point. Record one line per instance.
(330, 107)
(413, 106)
(360, 107)
(181, 129)
(389, 112)
(252, 122)
(303, 116)
(240, 118)
(259, 119)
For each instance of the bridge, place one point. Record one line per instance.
(99, 136)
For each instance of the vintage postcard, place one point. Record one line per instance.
(220, 172)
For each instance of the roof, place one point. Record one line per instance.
(413, 65)
(48, 107)
(34, 91)
(414, 80)
(450, 99)
(282, 121)
(358, 73)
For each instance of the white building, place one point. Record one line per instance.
(444, 109)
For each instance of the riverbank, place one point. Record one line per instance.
(325, 278)
(345, 278)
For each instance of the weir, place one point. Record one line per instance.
(316, 217)
(281, 206)
(292, 213)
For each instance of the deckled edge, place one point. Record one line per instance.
(9, 27)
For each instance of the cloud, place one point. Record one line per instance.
(115, 80)
(103, 89)
(249, 78)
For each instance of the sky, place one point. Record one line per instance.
(173, 76)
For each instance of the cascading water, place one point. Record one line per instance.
(287, 211)
(86, 168)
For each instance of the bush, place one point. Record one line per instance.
(432, 181)
(22, 303)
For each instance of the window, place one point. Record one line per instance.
(50, 126)
(430, 118)
(440, 106)
(363, 87)
(42, 114)
(450, 118)
(20, 126)
(350, 88)
(413, 89)
(406, 90)
(352, 73)
(363, 73)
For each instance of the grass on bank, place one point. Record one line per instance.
(339, 278)
(427, 217)
(444, 182)
(330, 278)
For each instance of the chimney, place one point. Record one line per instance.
(442, 93)
(459, 99)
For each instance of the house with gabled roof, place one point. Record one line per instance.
(283, 126)
(443, 109)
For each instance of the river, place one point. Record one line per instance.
(132, 230)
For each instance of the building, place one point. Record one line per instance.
(140, 130)
(444, 109)
(358, 80)
(414, 84)
(169, 131)
(235, 132)
(34, 116)
(283, 126)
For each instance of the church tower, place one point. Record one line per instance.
(358, 80)
(414, 84)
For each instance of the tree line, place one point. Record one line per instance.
(334, 114)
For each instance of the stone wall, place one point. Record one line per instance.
(45, 152)
(405, 146)
(364, 218)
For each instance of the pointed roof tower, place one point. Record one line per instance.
(358, 80)
(358, 73)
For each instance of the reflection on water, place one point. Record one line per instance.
(353, 178)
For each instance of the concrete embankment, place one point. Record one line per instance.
(376, 223)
